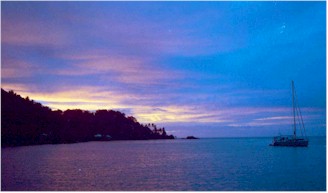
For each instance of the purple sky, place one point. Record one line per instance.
(209, 69)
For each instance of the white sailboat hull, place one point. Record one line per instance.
(290, 141)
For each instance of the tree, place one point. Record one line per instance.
(133, 119)
(164, 132)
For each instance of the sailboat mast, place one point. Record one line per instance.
(294, 108)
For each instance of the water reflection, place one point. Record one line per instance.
(206, 164)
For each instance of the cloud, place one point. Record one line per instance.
(275, 118)
(93, 98)
(134, 32)
(31, 33)
(86, 98)
(178, 114)
(278, 116)
(17, 68)
(115, 67)
(39, 24)
(21, 89)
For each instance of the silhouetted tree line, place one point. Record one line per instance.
(26, 122)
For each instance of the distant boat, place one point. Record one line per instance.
(293, 140)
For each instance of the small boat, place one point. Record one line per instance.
(293, 140)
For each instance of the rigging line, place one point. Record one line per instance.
(293, 93)
(298, 115)
(295, 105)
(299, 122)
(303, 127)
(298, 109)
(291, 111)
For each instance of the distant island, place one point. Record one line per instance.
(26, 122)
(191, 137)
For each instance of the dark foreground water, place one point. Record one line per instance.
(205, 164)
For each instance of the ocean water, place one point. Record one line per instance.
(236, 164)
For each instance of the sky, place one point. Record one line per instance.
(209, 69)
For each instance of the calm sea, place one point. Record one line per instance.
(204, 164)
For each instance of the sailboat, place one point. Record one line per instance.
(293, 140)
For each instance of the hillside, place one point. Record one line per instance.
(26, 122)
